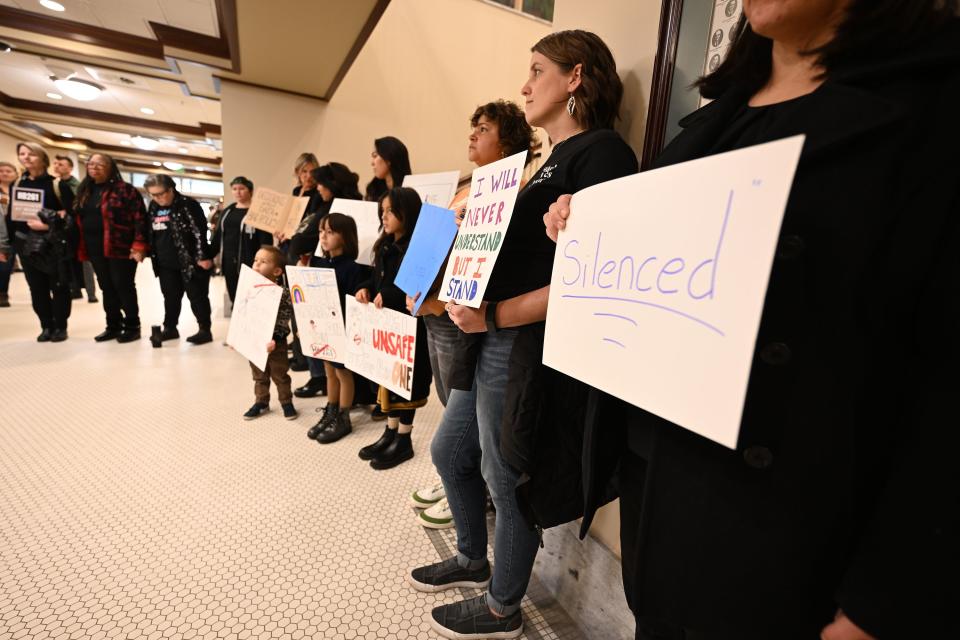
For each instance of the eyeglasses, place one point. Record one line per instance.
(157, 194)
(100, 165)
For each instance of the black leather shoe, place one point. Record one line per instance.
(400, 450)
(58, 335)
(328, 416)
(45, 335)
(299, 365)
(377, 414)
(370, 451)
(129, 335)
(203, 336)
(339, 427)
(108, 334)
(314, 387)
(169, 333)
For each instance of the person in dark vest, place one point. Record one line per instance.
(181, 256)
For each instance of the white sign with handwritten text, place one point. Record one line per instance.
(659, 281)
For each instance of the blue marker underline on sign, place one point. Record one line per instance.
(614, 315)
(619, 344)
(648, 304)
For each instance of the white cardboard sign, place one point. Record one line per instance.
(434, 188)
(254, 316)
(659, 281)
(367, 216)
(316, 305)
(381, 345)
(493, 192)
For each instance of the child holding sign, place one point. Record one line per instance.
(269, 263)
(399, 209)
(338, 239)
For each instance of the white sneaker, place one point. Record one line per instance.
(438, 516)
(427, 497)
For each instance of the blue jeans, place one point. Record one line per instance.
(442, 339)
(466, 452)
(315, 366)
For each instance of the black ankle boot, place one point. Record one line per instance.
(339, 427)
(329, 415)
(400, 450)
(370, 451)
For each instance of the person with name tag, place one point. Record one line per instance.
(573, 93)
(836, 516)
(45, 238)
(113, 237)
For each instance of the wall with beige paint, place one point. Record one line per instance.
(425, 68)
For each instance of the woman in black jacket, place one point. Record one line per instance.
(46, 245)
(181, 257)
(333, 180)
(235, 242)
(837, 514)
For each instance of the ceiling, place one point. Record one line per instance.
(168, 57)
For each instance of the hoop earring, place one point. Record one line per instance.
(571, 104)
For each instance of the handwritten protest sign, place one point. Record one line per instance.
(429, 246)
(275, 212)
(26, 204)
(493, 192)
(316, 305)
(367, 216)
(254, 316)
(381, 345)
(434, 188)
(659, 281)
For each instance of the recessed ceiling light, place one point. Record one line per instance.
(147, 144)
(199, 168)
(66, 135)
(54, 96)
(77, 88)
(182, 150)
(125, 143)
(156, 164)
(173, 166)
(53, 6)
(147, 110)
(4, 47)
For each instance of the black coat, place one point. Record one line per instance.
(844, 490)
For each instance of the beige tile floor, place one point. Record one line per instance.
(136, 503)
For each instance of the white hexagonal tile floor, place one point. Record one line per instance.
(136, 503)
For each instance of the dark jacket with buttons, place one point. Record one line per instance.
(844, 491)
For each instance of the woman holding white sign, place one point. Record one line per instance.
(574, 93)
(44, 240)
(835, 516)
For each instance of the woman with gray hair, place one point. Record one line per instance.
(181, 257)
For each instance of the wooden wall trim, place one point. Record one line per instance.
(663, 67)
(176, 38)
(79, 32)
(202, 130)
(229, 31)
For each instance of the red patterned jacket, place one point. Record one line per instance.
(124, 222)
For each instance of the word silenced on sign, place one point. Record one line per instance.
(493, 193)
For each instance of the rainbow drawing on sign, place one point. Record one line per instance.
(296, 291)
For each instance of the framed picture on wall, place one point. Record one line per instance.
(695, 36)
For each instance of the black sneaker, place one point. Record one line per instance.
(257, 410)
(448, 575)
(289, 412)
(371, 450)
(473, 619)
(339, 427)
(329, 414)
